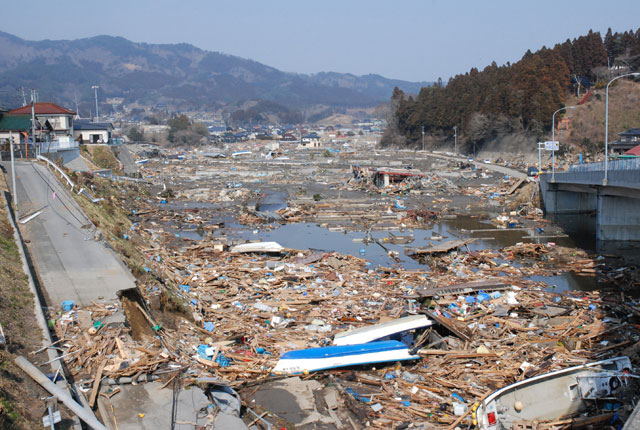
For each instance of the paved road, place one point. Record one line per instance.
(70, 263)
(489, 166)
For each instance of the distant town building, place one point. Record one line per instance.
(628, 139)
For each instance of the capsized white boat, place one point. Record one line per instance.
(274, 247)
(331, 357)
(553, 395)
(382, 330)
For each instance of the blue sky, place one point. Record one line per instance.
(413, 40)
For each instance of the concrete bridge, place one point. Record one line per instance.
(581, 191)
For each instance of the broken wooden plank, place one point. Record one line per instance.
(96, 383)
(465, 288)
(443, 321)
(439, 248)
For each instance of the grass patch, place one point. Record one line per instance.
(103, 157)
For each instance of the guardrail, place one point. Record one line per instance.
(621, 173)
(614, 165)
(64, 175)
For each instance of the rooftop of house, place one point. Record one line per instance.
(85, 124)
(634, 151)
(631, 132)
(41, 108)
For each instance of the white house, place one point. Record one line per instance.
(85, 131)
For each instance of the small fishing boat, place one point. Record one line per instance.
(240, 153)
(331, 357)
(266, 247)
(382, 330)
(554, 395)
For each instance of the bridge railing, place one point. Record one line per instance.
(622, 172)
(621, 164)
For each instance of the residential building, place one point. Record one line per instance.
(628, 139)
(60, 119)
(85, 131)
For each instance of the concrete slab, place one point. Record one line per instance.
(156, 407)
(297, 402)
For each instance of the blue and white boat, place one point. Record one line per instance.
(331, 357)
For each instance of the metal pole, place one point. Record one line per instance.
(553, 151)
(553, 139)
(606, 135)
(95, 90)
(606, 127)
(539, 157)
(84, 414)
(33, 130)
(13, 171)
(455, 140)
(423, 137)
(50, 409)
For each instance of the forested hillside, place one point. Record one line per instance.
(517, 98)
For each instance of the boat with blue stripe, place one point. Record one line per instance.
(332, 357)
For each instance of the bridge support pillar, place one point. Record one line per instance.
(562, 202)
(618, 218)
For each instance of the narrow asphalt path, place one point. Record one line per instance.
(70, 263)
(489, 166)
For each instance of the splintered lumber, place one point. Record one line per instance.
(440, 247)
(455, 353)
(96, 383)
(516, 185)
(443, 321)
(467, 287)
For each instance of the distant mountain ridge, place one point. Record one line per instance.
(180, 75)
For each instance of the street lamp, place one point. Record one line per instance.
(455, 140)
(553, 139)
(423, 137)
(95, 91)
(606, 126)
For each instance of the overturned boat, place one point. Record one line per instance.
(259, 247)
(382, 330)
(552, 396)
(331, 357)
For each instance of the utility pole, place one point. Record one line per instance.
(455, 140)
(539, 157)
(95, 91)
(13, 171)
(423, 137)
(33, 127)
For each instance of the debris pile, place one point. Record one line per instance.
(246, 310)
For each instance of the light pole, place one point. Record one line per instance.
(606, 126)
(540, 145)
(455, 140)
(13, 171)
(553, 139)
(423, 137)
(95, 91)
